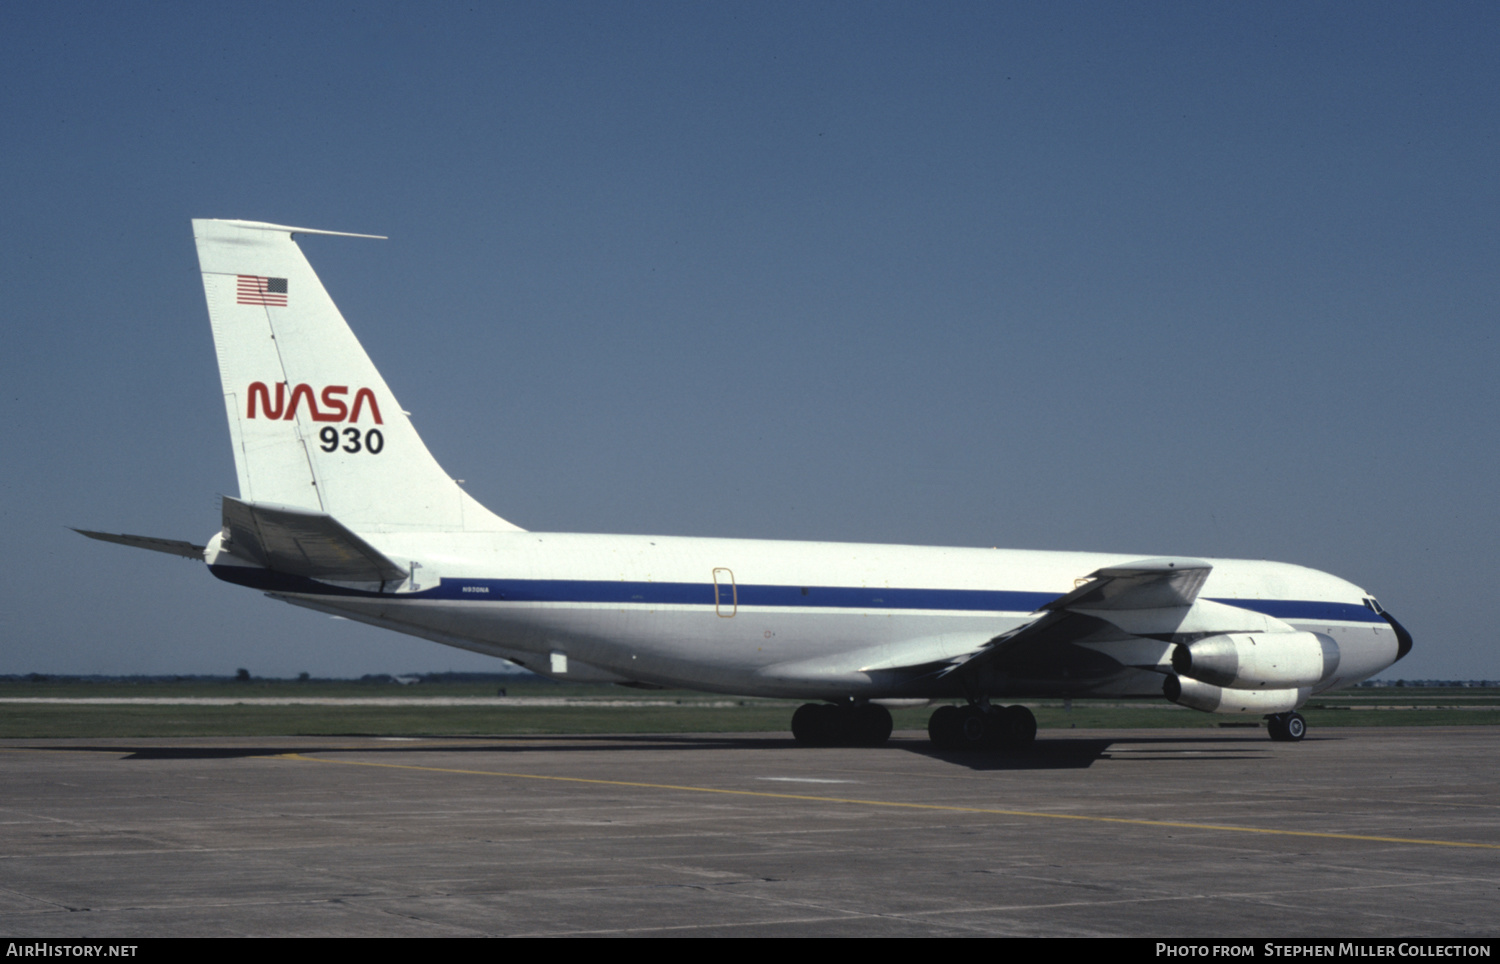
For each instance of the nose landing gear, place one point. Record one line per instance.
(1287, 727)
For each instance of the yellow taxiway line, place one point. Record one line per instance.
(1228, 828)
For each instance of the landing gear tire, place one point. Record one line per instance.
(822, 724)
(945, 728)
(1017, 727)
(1286, 727)
(975, 727)
(810, 724)
(870, 725)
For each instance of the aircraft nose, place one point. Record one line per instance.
(1403, 638)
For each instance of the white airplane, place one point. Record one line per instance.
(341, 509)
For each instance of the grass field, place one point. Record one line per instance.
(591, 709)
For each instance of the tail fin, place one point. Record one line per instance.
(313, 424)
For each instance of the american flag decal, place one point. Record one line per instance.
(261, 291)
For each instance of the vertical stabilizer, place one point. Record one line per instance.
(313, 424)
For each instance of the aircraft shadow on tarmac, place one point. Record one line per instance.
(1047, 753)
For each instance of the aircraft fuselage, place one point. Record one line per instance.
(790, 619)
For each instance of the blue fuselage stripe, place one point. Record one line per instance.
(1294, 609)
(706, 594)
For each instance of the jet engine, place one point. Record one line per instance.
(1258, 661)
(1209, 698)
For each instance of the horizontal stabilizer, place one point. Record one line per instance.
(172, 546)
(303, 542)
(288, 229)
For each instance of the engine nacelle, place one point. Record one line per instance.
(1209, 698)
(1258, 661)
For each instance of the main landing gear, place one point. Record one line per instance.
(1289, 727)
(825, 724)
(981, 727)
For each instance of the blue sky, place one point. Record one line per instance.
(1191, 279)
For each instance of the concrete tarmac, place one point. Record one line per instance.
(1355, 832)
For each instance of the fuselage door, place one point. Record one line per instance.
(726, 597)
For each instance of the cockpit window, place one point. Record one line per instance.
(1374, 606)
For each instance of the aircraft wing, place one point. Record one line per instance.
(1151, 598)
(303, 542)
